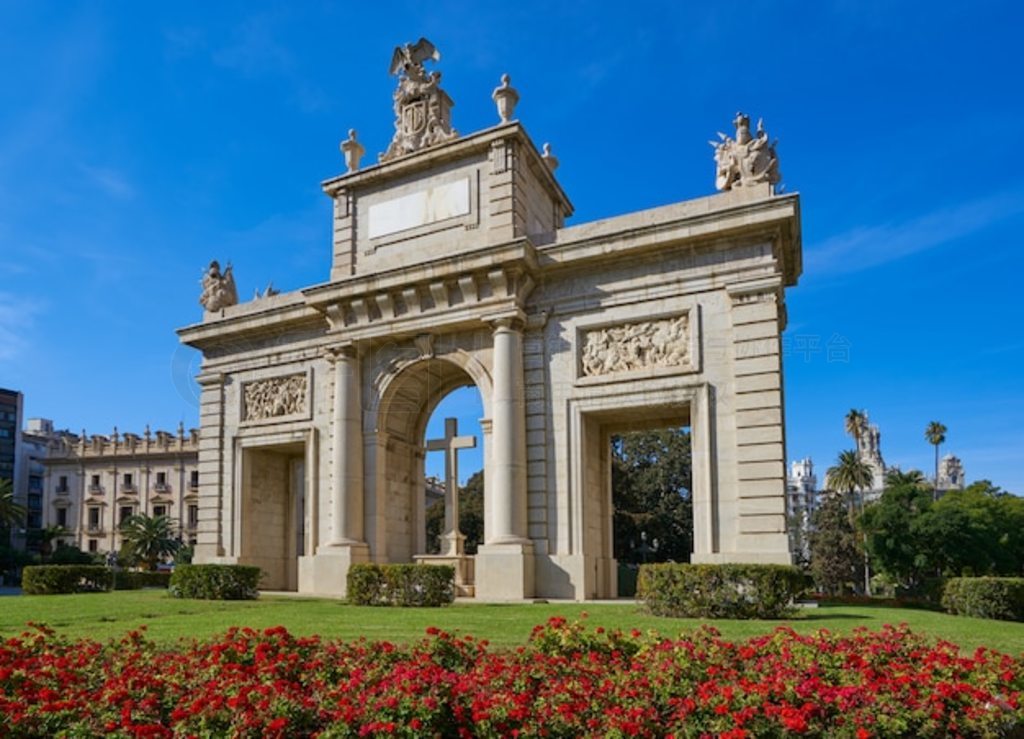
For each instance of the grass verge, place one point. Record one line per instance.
(102, 616)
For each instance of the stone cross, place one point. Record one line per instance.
(450, 445)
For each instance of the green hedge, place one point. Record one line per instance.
(985, 597)
(719, 591)
(138, 579)
(53, 579)
(401, 585)
(215, 582)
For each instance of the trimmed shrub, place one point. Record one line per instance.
(985, 597)
(401, 585)
(215, 582)
(138, 579)
(151, 579)
(719, 591)
(54, 579)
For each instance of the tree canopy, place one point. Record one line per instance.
(651, 481)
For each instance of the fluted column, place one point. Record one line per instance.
(508, 436)
(347, 450)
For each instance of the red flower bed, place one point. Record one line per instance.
(568, 681)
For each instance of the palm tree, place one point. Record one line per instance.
(856, 423)
(935, 433)
(896, 478)
(11, 514)
(150, 538)
(849, 475)
(46, 537)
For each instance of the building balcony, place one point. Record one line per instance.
(62, 490)
(193, 484)
(94, 528)
(128, 487)
(161, 487)
(95, 490)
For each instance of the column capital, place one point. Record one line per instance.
(341, 352)
(512, 320)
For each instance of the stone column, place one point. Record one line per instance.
(508, 436)
(504, 562)
(347, 450)
(325, 572)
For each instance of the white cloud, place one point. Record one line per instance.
(110, 181)
(872, 245)
(16, 319)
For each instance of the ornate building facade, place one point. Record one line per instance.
(93, 483)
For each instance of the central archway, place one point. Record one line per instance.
(395, 426)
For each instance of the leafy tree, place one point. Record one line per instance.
(892, 527)
(651, 481)
(835, 560)
(471, 516)
(982, 531)
(149, 538)
(67, 554)
(935, 433)
(851, 475)
(11, 513)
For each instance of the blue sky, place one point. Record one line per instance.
(140, 140)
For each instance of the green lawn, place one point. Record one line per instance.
(109, 615)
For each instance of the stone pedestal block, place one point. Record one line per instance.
(326, 572)
(504, 572)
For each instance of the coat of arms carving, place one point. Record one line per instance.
(422, 108)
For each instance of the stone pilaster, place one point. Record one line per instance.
(210, 530)
(757, 318)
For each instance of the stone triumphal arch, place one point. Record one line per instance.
(452, 266)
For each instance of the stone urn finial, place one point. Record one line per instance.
(506, 98)
(549, 159)
(352, 150)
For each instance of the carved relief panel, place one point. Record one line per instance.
(659, 345)
(282, 398)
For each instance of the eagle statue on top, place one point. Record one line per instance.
(422, 108)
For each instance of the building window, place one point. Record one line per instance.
(125, 512)
(62, 484)
(127, 480)
(161, 479)
(93, 546)
(193, 480)
(193, 516)
(94, 518)
(159, 510)
(94, 484)
(62, 517)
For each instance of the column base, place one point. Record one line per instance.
(326, 572)
(504, 572)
